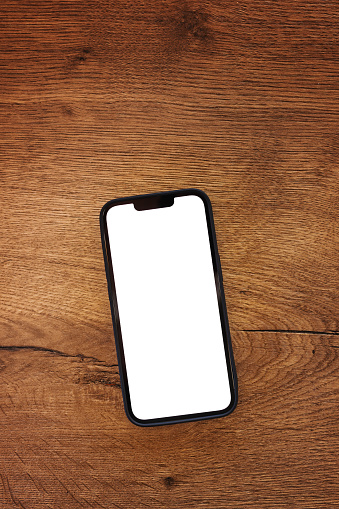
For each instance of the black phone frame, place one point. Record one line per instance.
(154, 200)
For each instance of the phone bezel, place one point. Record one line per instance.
(162, 197)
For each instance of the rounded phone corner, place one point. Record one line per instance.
(105, 208)
(134, 419)
(201, 194)
(233, 404)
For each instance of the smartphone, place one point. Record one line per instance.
(168, 307)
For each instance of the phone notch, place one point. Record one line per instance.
(154, 202)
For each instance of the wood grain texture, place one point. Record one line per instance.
(104, 99)
(69, 444)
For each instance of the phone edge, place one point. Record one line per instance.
(117, 334)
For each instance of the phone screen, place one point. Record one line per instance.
(169, 316)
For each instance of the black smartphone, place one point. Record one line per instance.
(168, 307)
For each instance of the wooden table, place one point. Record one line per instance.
(104, 99)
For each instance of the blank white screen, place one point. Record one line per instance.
(168, 308)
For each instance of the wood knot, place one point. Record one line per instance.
(78, 58)
(68, 111)
(82, 56)
(193, 23)
(168, 482)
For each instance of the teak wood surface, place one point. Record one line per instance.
(103, 99)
